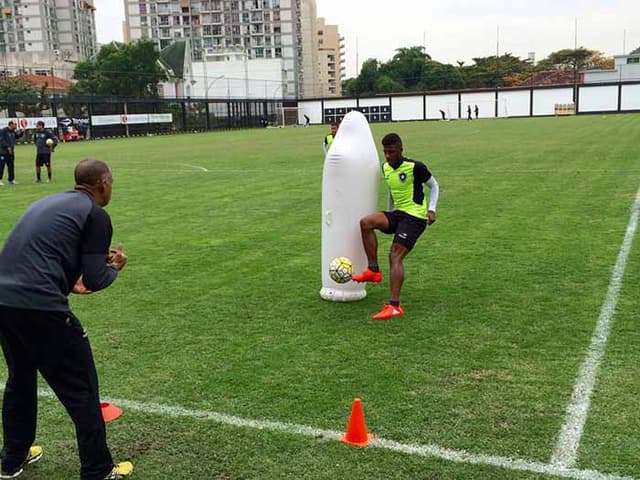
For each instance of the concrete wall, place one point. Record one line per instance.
(510, 103)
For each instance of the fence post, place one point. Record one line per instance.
(183, 106)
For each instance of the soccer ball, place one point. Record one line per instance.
(341, 269)
(49, 142)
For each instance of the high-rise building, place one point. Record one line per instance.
(38, 36)
(239, 48)
(331, 69)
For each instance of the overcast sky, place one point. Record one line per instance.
(458, 29)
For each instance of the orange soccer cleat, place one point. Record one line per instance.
(368, 276)
(388, 312)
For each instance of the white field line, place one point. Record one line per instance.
(569, 438)
(430, 451)
(194, 166)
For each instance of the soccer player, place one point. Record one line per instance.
(409, 219)
(8, 136)
(328, 140)
(43, 151)
(59, 246)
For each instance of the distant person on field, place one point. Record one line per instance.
(59, 246)
(328, 140)
(476, 110)
(409, 219)
(8, 137)
(443, 114)
(307, 120)
(43, 151)
(469, 112)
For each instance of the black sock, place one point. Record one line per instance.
(395, 303)
(374, 267)
(38, 176)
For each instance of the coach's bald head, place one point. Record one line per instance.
(94, 178)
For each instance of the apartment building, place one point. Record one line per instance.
(41, 36)
(239, 48)
(331, 61)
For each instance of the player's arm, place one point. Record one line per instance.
(425, 177)
(97, 274)
(434, 194)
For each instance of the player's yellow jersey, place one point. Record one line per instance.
(406, 186)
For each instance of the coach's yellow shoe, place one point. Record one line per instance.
(35, 454)
(120, 471)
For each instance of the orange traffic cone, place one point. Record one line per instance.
(109, 411)
(356, 433)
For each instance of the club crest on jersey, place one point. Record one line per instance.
(403, 177)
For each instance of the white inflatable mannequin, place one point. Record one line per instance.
(350, 182)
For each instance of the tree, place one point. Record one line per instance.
(365, 83)
(489, 72)
(125, 70)
(407, 67)
(20, 96)
(570, 59)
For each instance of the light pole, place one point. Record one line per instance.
(211, 85)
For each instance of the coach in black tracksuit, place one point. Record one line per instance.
(8, 136)
(59, 246)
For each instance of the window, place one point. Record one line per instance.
(633, 60)
(278, 52)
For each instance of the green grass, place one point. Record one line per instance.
(219, 309)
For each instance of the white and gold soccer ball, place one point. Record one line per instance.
(341, 270)
(49, 142)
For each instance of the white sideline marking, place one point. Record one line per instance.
(569, 439)
(431, 451)
(194, 166)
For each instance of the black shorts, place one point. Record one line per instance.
(407, 228)
(43, 159)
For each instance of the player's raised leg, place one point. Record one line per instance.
(368, 225)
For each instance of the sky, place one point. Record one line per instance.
(458, 30)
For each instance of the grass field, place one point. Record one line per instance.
(218, 310)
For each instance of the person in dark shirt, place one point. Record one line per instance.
(476, 110)
(8, 136)
(469, 112)
(59, 246)
(43, 149)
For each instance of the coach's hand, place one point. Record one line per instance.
(79, 288)
(431, 217)
(117, 258)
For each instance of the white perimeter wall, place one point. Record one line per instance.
(511, 103)
(517, 103)
(630, 97)
(598, 99)
(407, 108)
(312, 109)
(448, 103)
(486, 102)
(544, 101)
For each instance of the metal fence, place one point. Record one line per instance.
(186, 114)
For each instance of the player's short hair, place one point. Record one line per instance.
(392, 139)
(90, 172)
(334, 124)
(39, 123)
